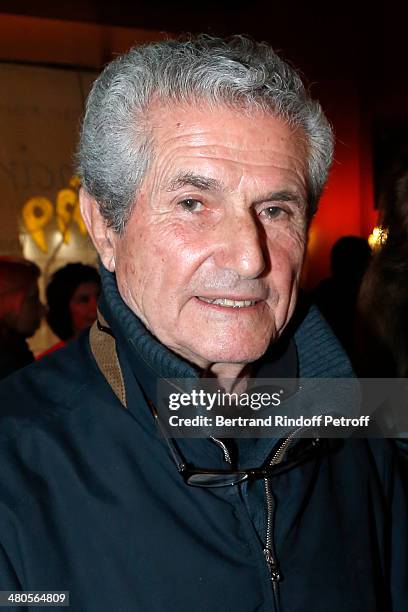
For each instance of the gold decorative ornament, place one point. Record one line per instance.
(67, 201)
(37, 213)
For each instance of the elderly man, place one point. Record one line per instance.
(202, 163)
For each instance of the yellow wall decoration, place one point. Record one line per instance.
(37, 213)
(68, 210)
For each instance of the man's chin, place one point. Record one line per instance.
(229, 355)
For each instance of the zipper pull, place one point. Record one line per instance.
(273, 568)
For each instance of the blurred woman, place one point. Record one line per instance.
(72, 297)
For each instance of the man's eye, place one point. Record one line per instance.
(273, 212)
(191, 205)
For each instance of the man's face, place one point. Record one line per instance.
(211, 255)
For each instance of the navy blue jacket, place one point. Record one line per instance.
(91, 501)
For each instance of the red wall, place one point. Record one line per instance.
(347, 204)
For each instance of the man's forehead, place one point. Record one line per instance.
(217, 151)
(203, 122)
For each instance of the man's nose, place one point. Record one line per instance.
(241, 246)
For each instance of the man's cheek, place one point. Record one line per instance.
(130, 282)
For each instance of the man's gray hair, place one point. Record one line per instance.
(116, 145)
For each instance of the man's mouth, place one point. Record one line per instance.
(227, 302)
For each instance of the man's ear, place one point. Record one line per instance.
(102, 235)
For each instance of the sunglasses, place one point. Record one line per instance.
(197, 477)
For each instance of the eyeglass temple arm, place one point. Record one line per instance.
(181, 466)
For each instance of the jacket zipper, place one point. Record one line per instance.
(269, 553)
(268, 550)
(223, 447)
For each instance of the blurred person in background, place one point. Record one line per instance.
(336, 296)
(383, 300)
(20, 312)
(72, 296)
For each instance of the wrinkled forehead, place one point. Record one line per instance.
(177, 119)
(212, 138)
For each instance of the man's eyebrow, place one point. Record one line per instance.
(282, 196)
(190, 179)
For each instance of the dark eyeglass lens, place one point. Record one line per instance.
(216, 480)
